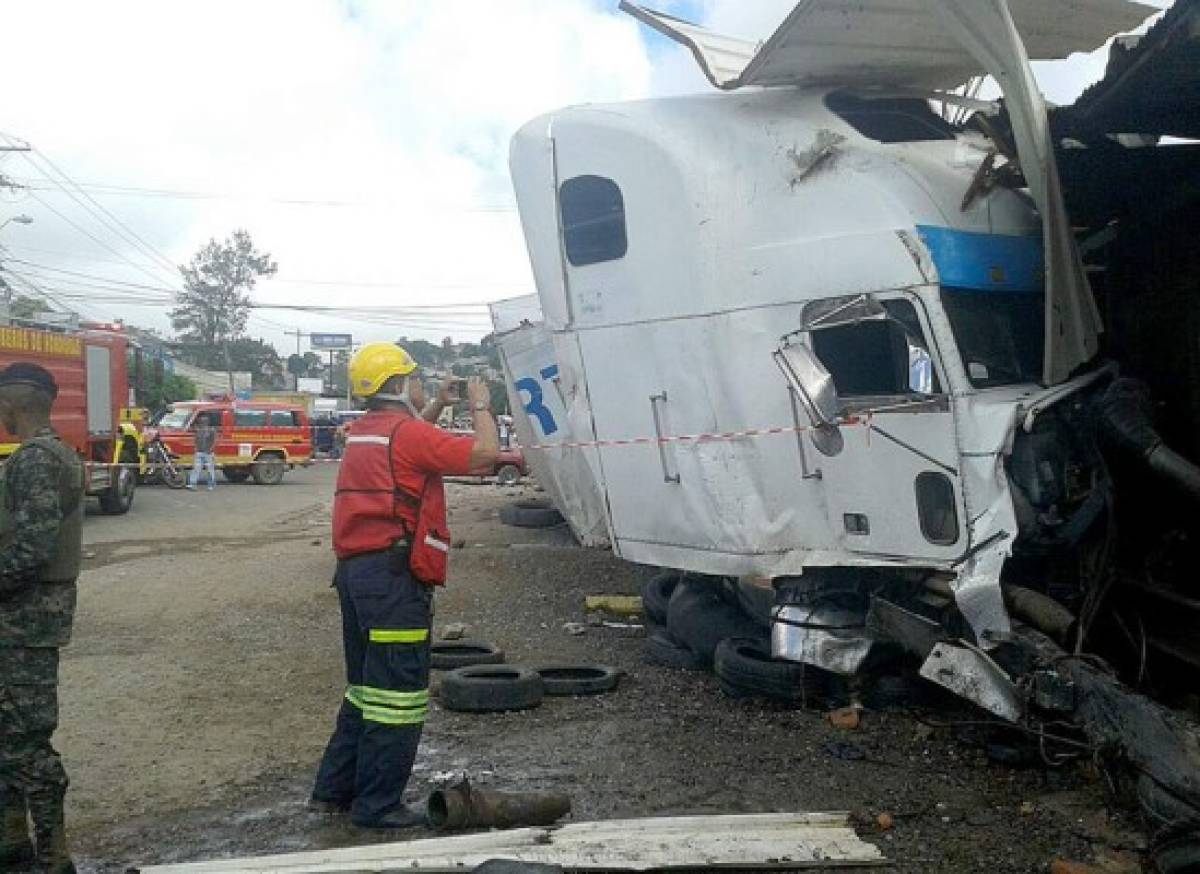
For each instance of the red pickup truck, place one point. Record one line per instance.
(509, 467)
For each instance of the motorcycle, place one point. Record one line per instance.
(161, 465)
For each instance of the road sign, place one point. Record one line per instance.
(330, 341)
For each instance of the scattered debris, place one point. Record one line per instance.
(620, 605)
(848, 718)
(454, 631)
(808, 161)
(463, 805)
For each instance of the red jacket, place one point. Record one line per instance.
(390, 488)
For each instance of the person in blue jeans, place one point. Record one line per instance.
(205, 453)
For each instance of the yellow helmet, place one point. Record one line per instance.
(376, 363)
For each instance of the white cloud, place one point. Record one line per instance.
(403, 110)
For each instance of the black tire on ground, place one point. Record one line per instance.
(447, 655)
(656, 594)
(508, 475)
(117, 500)
(578, 679)
(268, 469)
(236, 474)
(666, 652)
(746, 670)
(530, 514)
(699, 618)
(490, 688)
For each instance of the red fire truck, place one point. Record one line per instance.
(90, 368)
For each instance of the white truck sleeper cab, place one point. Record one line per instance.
(804, 333)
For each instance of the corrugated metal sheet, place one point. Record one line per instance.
(746, 841)
(888, 42)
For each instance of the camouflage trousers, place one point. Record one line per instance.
(32, 777)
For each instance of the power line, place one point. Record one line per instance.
(93, 237)
(104, 189)
(111, 226)
(132, 235)
(349, 283)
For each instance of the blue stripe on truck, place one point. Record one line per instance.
(985, 262)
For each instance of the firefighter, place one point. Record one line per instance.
(391, 541)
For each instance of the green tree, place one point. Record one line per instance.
(160, 388)
(25, 307)
(423, 352)
(314, 364)
(499, 398)
(261, 360)
(212, 308)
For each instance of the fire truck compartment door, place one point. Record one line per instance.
(99, 390)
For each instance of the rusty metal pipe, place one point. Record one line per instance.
(465, 806)
(1041, 611)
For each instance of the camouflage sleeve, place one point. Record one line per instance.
(36, 515)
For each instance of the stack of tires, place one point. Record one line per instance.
(698, 623)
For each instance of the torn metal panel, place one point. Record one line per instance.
(977, 590)
(816, 156)
(969, 673)
(900, 43)
(825, 636)
(721, 57)
(750, 841)
(915, 633)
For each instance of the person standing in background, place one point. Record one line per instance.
(205, 458)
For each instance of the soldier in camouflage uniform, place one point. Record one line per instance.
(41, 493)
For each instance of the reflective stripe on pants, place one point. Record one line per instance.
(385, 634)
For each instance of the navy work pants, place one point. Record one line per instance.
(386, 617)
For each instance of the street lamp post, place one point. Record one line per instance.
(19, 219)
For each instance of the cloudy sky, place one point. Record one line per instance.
(363, 143)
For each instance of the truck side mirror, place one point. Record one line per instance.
(811, 381)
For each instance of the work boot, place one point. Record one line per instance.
(406, 816)
(15, 847)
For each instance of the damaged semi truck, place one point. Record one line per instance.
(815, 331)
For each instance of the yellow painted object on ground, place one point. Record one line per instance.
(621, 605)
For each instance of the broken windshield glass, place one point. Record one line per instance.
(999, 334)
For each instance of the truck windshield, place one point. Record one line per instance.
(999, 334)
(175, 419)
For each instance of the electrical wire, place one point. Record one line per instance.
(138, 241)
(183, 194)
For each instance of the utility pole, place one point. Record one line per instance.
(296, 376)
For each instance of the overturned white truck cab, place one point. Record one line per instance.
(813, 332)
